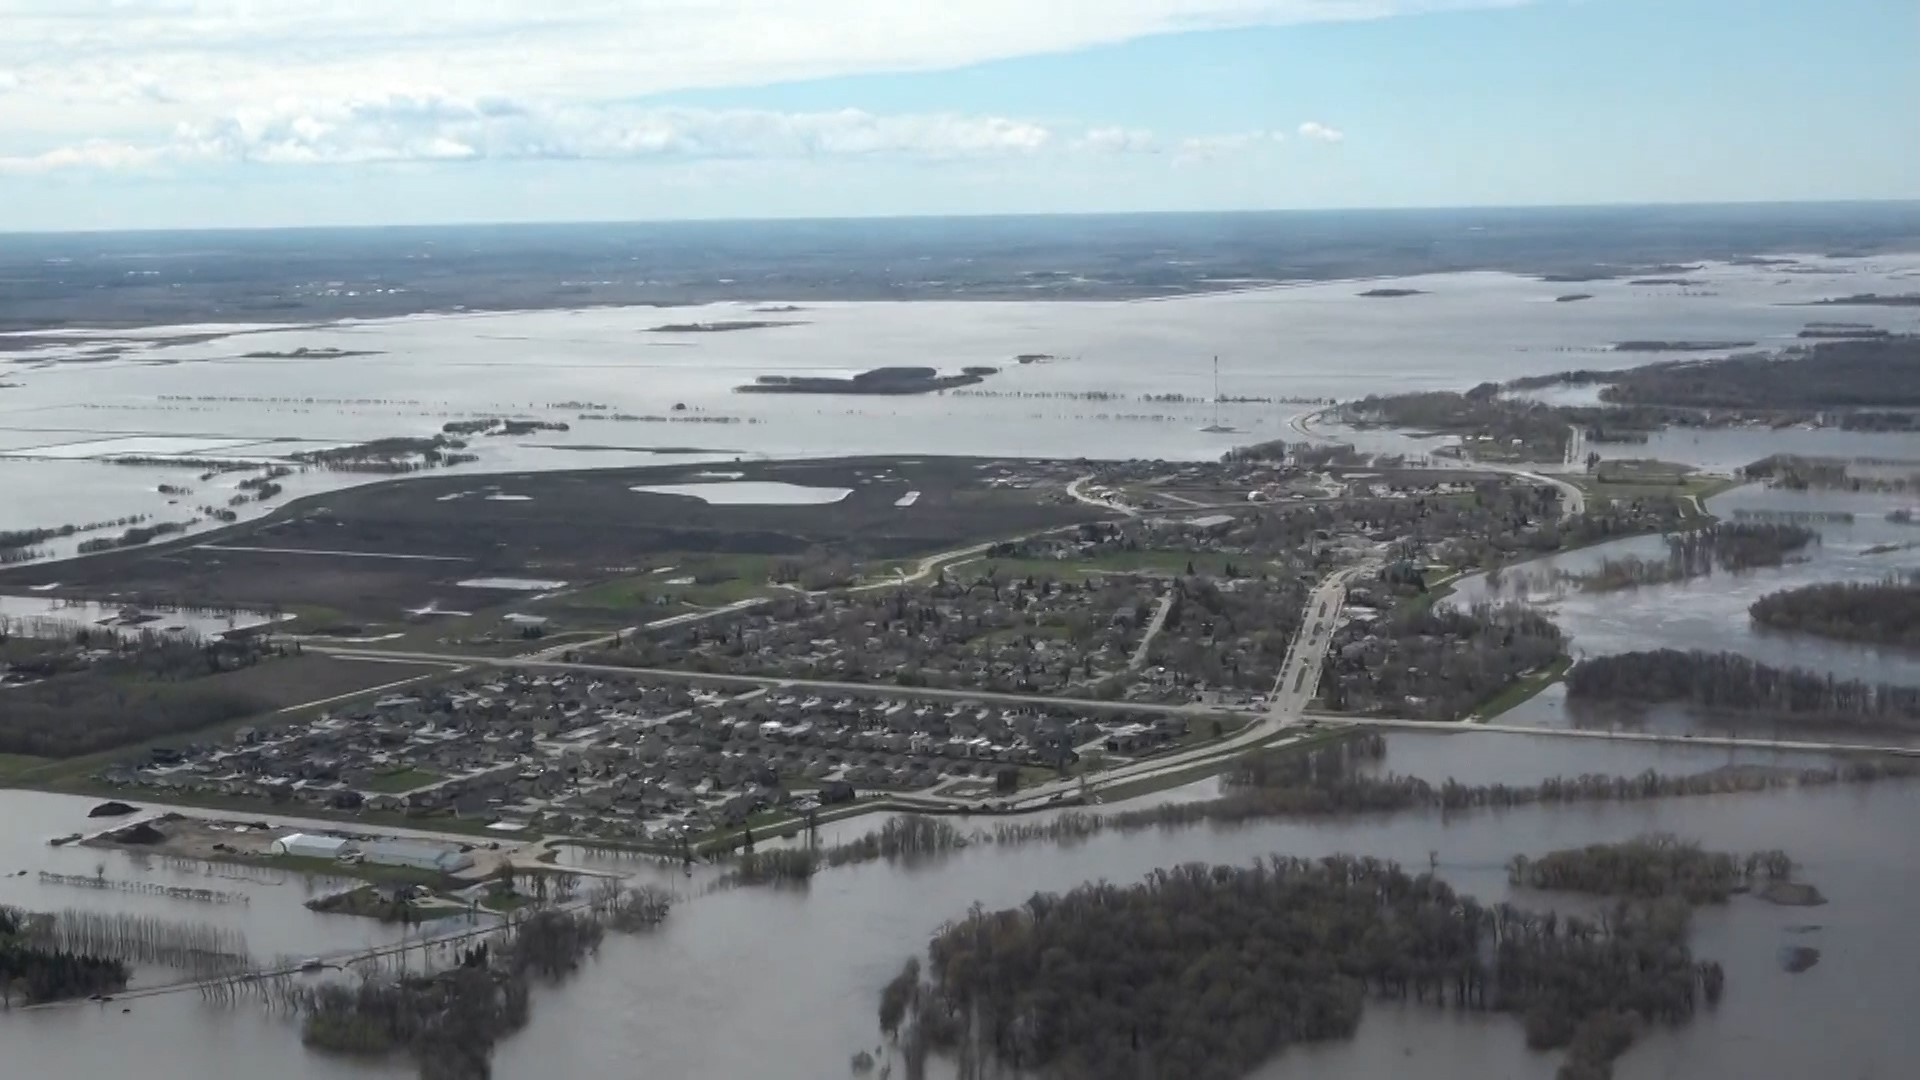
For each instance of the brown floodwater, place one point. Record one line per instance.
(782, 983)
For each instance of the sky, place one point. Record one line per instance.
(214, 113)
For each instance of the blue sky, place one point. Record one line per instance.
(177, 113)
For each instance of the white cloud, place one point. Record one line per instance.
(1118, 140)
(216, 56)
(434, 127)
(1319, 132)
(95, 155)
(1203, 147)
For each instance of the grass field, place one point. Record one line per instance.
(292, 683)
(1522, 690)
(718, 580)
(403, 780)
(365, 557)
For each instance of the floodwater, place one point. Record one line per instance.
(630, 398)
(1710, 613)
(44, 616)
(751, 493)
(782, 982)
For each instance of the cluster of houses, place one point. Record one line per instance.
(981, 627)
(615, 757)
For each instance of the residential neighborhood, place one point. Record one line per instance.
(626, 759)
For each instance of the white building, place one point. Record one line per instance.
(417, 855)
(309, 846)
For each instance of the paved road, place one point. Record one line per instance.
(1573, 501)
(1073, 489)
(1299, 677)
(1617, 736)
(1154, 625)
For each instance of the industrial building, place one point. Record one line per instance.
(309, 846)
(417, 855)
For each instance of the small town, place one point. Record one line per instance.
(608, 756)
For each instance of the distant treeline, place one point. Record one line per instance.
(1880, 613)
(134, 537)
(1507, 425)
(26, 538)
(1734, 683)
(1854, 373)
(1650, 868)
(1207, 971)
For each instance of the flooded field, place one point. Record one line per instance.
(1103, 379)
(45, 616)
(1710, 613)
(783, 982)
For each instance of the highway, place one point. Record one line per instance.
(1731, 741)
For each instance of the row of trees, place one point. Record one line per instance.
(909, 836)
(198, 948)
(1206, 971)
(32, 973)
(448, 1022)
(1734, 547)
(1738, 684)
(1330, 780)
(1880, 613)
(1650, 867)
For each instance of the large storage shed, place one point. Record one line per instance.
(309, 846)
(417, 855)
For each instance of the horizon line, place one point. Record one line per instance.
(531, 223)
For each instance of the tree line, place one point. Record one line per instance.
(448, 1022)
(1731, 683)
(1334, 779)
(1732, 547)
(143, 687)
(32, 973)
(908, 836)
(1877, 372)
(1206, 971)
(1879, 613)
(1650, 867)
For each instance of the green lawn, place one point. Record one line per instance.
(402, 780)
(1523, 689)
(17, 763)
(742, 577)
(1698, 485)
(390, 875)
